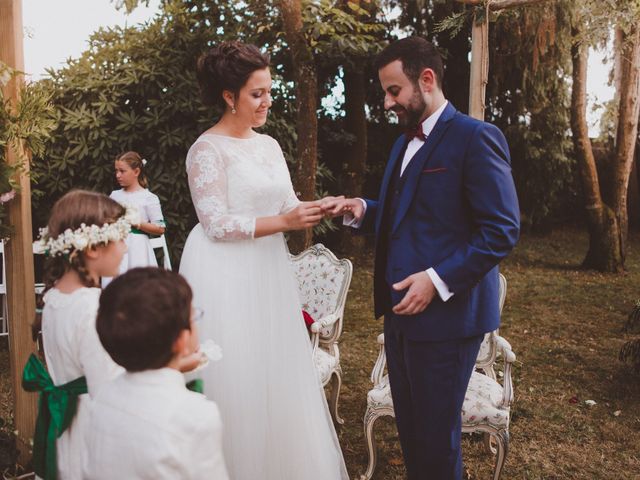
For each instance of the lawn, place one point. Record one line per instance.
(564, 324)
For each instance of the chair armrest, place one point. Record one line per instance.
(381, 362)
(318, 325)
(504, 348)
(324, 322)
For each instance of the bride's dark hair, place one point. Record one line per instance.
(227, 66)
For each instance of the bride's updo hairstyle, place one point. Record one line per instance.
(227, 66)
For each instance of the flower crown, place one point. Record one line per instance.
(86, 236)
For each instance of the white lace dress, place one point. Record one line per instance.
(276, 421)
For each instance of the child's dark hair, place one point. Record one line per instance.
(227, 66)
(135, 160)
(141, 314)
(73, 209)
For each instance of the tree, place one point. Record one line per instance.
(607, 217)
(306, 80)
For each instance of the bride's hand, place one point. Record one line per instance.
(305, 215)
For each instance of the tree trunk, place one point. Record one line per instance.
(604, 252)
(627, 130)
(305, 76)
(356, 155)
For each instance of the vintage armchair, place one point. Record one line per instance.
(486, 405)
(323, 283)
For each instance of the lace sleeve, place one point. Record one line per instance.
(208, 186)
(292, 200)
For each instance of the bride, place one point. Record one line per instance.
(277, 424)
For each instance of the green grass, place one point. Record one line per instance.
(564, 324)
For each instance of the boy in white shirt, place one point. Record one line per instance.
(146, 424)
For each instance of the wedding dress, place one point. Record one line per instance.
(276, 421)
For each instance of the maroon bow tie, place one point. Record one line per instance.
(415, 132)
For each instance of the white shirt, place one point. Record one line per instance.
(412, 147)
(147, 425)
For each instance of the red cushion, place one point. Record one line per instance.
(308, 319)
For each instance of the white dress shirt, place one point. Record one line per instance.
(147, 425)
(412, 147)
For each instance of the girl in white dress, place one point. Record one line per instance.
(130, 175)
(84, 239)
(277, 424)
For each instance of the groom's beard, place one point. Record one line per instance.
(411, 115)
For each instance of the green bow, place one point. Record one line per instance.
(196, 385)
(56, 409)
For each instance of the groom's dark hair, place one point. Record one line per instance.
(227, 66)
(141, 314)
(416, 54)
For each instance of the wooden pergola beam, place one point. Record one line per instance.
(501, 4)
(18, 251)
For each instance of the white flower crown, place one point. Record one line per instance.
(86, 236)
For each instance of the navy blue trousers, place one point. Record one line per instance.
(428, 382)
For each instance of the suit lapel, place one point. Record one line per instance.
(394, 158)
(414, 168)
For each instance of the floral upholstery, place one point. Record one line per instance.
(325, 364)
(483, 403)
(380, 395)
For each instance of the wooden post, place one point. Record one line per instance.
(479, 67)
(480, 51)
(19, 250)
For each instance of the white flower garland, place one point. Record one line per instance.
(86, 236)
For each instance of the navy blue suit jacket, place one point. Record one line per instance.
(457, 213)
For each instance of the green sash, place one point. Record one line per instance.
(196, 385)
(56, 409)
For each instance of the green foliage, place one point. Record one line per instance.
(341, 34)
(26, 126)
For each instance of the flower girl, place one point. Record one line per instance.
(83, 241)
(130, 175)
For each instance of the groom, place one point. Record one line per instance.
(447, 214)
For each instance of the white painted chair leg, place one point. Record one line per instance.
(336, 384)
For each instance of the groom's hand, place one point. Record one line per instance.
(421, 292)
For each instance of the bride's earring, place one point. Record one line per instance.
(233, 110)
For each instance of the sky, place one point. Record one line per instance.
(59, 29)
